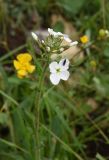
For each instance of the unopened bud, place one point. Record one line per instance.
(93, 63)
(54, 56)
(43, 41)
(61, 49)
(102, 33)
(61, 37)
(54, 51)
(34, 35)
(107, 32)
(48, 49)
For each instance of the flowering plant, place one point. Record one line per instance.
(55, 62)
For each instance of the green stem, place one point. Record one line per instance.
(37, 111)
(103, 12)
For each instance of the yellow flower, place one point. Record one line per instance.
(23, 65)
(84, 39)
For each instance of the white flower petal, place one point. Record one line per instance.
(50, 31)
(54, 78)
(65, 35)
(55, 34)
(67, 39)
(64, 64)
(64, 75)
(73, 43)
(59, 34)
(53, 66)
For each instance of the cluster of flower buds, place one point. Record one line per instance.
(55, 42)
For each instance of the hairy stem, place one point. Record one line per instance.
(37, 111)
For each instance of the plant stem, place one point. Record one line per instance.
(103, 12)
(37, 111)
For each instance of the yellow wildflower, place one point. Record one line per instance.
(23, 65)
(84, 39)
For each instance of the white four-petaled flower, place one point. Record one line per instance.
(59, 71)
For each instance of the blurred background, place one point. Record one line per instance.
(18, 17)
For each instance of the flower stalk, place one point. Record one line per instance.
(37, 111)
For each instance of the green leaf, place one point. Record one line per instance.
(102, 85)
(42, 5)
(59, 26)
(99, 157)
(23, 133)
(71, 6)
(106, 51)
(3, 118)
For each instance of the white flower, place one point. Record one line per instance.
(59, 71)
(64, 36)
(53, 33)
(73, 43)
(34, 35)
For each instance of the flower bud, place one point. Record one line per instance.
(48, 49)
(103, 33)
(107, 32)
(93, 63)
(61, 49)
(54, 56)
(43, 42)
(34, 35)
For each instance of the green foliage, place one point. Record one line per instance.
(99, 157)
(71, 6)
(3, 118)
(42, 5)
